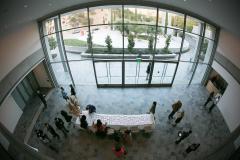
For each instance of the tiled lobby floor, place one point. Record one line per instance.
(208, 129)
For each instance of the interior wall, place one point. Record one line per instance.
(229, 103)
(10, 114)
(18, 45)
(229, 47)
(42, 76)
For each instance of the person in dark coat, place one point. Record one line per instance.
(91, 108)
(101, 129)
(67, 117)
(182, 135)
(175, 107)
(153, 107)
(178, 117)
(51, 130)
(73, 92)
(192, 147)
(60, 125)
(83, 121)
(148, 70)
(42, 136)
(64, 94)
(42, 98)
(210, 98)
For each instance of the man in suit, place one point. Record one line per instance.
(51, 130)
(60, 125)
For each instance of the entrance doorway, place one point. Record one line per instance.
(131, 73)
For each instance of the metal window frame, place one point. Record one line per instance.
(144, 4)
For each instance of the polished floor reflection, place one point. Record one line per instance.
(209, 130)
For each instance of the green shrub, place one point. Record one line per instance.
(131, 43)
(52, 43)
(75, 42)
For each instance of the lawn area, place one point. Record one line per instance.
(78, 43)
(75, 42)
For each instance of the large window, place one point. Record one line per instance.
(74, 19)
(128, 44)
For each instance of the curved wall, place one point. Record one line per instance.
(17, 46)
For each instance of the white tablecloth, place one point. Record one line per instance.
(115, 120)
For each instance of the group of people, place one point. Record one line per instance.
(176, 109)
(43, 136)
(73, 104)
(101, 129)
(74, 109)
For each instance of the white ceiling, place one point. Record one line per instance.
(15, 13)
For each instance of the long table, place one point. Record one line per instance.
(116, 121)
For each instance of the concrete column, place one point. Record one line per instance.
(198, 48)
(59, 43)
(208, 51)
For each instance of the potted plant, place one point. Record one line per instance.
(131, 43)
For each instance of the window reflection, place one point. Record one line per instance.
(174, 20)
(105, 15)
(194, 26)
(210, 32)
(140, 15)
(139, 34)
(74, 19)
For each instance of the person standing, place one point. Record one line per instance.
(73, 92)
(64, 94)
(60, 125)
(83, 121)
(67, 117)
(153, 107)
(210, 98)
(179, 117)
(175, 107)
(215, 101)
(127, 137)
(182, 135)
(42, 98)
(192, 147)
(148, 70)
(43, 137)
(119, 150)
(52, 131)
(101, 129)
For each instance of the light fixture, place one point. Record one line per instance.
(25, 6)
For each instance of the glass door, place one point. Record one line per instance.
(137, 72)
(163, 73)
(108, 73)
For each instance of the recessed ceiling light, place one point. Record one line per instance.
(184, 0)
(50, 4)
(25, 6)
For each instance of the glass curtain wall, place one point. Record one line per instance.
(128, 45)
(25, 90)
